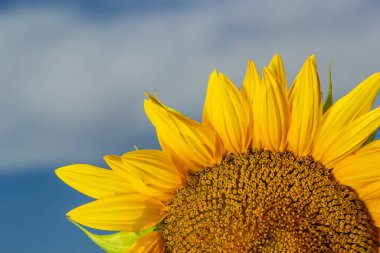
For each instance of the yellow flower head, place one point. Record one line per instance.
(267, 170)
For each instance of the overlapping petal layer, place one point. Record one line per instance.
(277, 68)
(349, 108)
(305, 102)
(155, 168)
(361, 169)
(196, 145)
(93, 181)
(351, 137)
(250, 84)
(250, 88)
(130, 175)
(271, 113)
(130, 212)
(227, 113)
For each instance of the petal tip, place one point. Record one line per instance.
(312, 57)
(276, 56)
(214, 74)
(58, 172)
(63, 171)
(147, 94)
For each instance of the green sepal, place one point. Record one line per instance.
(371, 138)
(115, 243)
(329, 98)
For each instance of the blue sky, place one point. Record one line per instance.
(73, 76)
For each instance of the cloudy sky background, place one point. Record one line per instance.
(73, 76)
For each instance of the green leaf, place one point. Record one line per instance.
(329, 99)
(114, 243)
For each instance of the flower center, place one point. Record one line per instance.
(263, 201)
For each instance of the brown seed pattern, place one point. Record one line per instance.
(263, 201)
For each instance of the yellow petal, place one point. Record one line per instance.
(93, 181)
(131, 176)
(250, 83)
(277, 68)
(227, 113)
(155, 168)
(350, 138)
(181, 167)
(116, 164)
(131, 212)
(350, 107)
(370, 191)
(271, 114)
(361, 169)
(150, 243)
(196, 145)
(250, 88)
(306, 109)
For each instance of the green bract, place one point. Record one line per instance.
(115, 243)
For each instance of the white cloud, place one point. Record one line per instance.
(72, 86)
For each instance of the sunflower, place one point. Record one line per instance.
(267, 170)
